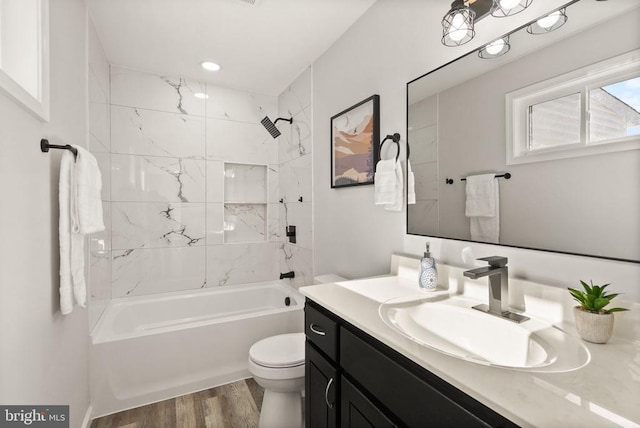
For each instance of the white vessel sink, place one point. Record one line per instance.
(452, 327)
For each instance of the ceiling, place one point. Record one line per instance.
(261, 47)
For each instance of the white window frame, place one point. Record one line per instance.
(581, 81)
(37, 104)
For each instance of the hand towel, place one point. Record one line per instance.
(411, 186)
(72, 282)
(481, 195)
(483, 207)
(396, 205)
(385, 182)
(64, 231)
(388, 185)
(88, 198)
(80, 214)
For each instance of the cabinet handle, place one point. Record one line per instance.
(313, 329)
(326, 394)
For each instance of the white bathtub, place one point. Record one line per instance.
(151, 348)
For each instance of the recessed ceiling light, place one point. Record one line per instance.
(201, 95)
(210, 66)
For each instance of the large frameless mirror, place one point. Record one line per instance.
(556, 107)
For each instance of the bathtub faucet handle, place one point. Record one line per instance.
(288, 275)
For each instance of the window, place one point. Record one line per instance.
(24, 60)
(614, 111)
(589, 111)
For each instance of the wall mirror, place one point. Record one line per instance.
(538, 113)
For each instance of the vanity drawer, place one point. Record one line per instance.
(321, 329)
(411, 393)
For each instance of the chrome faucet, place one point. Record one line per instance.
(498, 274)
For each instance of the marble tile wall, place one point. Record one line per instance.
(295, 180)
(172, 209)
(99, 248)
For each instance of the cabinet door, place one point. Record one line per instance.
(356, 411)
(413, 395)
(321, 387)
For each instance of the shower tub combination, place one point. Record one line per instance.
(151, 348)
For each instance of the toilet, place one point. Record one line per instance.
(277, 365)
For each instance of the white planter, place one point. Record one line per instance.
(595, 328)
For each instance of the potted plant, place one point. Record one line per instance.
(593, 322)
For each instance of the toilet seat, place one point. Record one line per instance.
(279, 352)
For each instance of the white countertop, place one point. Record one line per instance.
(605, 393)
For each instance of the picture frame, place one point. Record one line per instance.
(355, 144)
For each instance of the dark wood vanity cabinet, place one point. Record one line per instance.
(321, 369)
(357, 411)
(321, 387)
(353, 380)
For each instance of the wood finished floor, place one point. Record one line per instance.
(228, 406)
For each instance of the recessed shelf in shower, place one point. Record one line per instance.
(245, 203)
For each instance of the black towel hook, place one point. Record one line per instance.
(396, 139)
(45, 146)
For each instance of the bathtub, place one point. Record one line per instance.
(150, 348)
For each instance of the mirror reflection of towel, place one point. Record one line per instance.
(411, 186)
(483, 207)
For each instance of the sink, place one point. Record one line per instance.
(450, 325)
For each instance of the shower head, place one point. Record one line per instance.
(271, 126)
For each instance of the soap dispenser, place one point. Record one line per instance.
(428, 278)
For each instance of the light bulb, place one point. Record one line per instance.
(509, 4)
(495, 47)
(549, 20)
(210, 66)
(459, 28)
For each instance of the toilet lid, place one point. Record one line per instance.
(284, 350)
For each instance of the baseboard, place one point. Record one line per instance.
(86, 422)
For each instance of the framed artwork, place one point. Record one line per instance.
(355, 143)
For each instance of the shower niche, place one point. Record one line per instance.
(245, 203)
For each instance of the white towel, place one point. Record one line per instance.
(388, 185)
(64, 231)
(88, 198)
(483, 207)
(79, 186)
(481, 196)
(411, 186)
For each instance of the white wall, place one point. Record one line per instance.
(393, 43)
(43, 355)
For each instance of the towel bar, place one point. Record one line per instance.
(506, 175)
(45, 146)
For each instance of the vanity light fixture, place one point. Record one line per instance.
(548, 23)
(495, 49)
(457, 24)
(210, 66)
(502, 8)
(201, 95)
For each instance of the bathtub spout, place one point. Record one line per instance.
(288, 275)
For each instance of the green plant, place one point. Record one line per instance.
(594, 298)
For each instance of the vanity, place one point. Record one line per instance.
(361, 370)
(391, 389)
